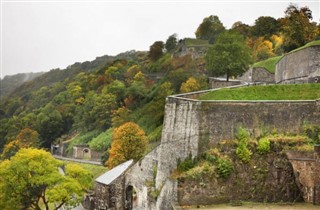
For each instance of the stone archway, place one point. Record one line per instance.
(131, 200)
(86, 153)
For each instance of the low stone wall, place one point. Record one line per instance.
(301, 66)
(221, 83)
(257, 74)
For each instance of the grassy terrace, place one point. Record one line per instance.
(269, 64)
(271, 92)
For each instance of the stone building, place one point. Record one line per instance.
(84, 152)
(110, 190)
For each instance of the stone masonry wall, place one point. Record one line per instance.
(220, 120)
(299, 67)
(257, 74)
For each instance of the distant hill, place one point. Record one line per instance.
(9, 83)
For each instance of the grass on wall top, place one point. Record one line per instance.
(270, 92)
(269, 64)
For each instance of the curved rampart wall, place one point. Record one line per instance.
(302, 66)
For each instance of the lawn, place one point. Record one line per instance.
(95, 169)
(270, 92)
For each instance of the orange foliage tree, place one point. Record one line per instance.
(129, 142)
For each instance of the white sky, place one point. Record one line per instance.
(42, 35)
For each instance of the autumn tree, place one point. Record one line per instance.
(25, 139)
(297, 27)
(229, 56)
(156, 50)
(129, 142)
(31, 179)
(190, 85)
(210, 28)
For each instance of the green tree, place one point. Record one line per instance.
(31, 178)
(297, 27)
(229, 56)
(265, 26)
(171, 43)
(156, 50)
(210, 28)
(129, 142)
(242, 28)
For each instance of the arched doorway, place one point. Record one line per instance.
(131, 198)
(86, 154)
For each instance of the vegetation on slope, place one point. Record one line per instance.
(270, 92)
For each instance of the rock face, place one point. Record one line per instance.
(268, 178)
(302, 66)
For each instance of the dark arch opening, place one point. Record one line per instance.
(131, 198)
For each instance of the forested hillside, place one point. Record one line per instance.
(85, 102)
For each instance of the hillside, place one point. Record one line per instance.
(9, 83)
(86, 101)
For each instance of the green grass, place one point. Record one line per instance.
(271, 92)
(269, 64)
(310, 44)
(95, 169)
(196, 42)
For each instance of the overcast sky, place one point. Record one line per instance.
(42, 35)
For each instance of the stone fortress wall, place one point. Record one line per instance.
(302, 66)
(192, 126)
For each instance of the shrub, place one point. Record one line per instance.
(313, 133)
(224, 167)
(242, 151)
(186, 164)
(263, 146)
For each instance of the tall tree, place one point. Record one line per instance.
(129, 142)
(265, 26)
(156, 50)
(171, 43)
(210, 28)
(297, 27)
(31, 178)
(229, 56)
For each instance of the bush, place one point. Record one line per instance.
(186, 164)
(313, 133)
(263, 146)
(224, 167)
(242, 151)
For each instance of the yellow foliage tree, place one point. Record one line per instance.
(190, 85)
(129, 142)
(25, 139)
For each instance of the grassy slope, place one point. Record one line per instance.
(269, 64)
(272, 92)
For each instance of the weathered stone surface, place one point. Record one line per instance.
(263, 180)
(307, 173)
(257, 74)
(299, 67)
(221, 82)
